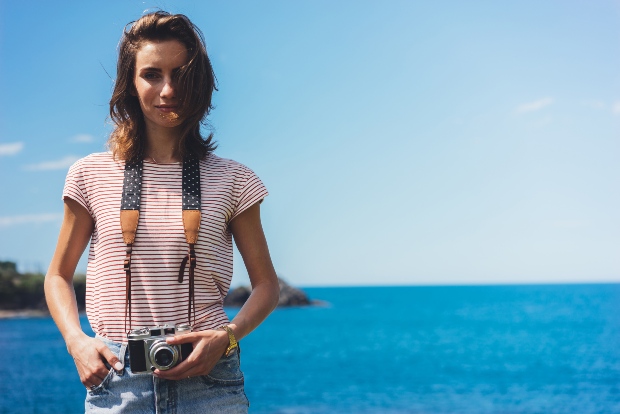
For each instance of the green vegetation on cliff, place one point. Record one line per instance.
(25, 290)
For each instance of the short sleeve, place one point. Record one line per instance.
(75, 187)
(248, 191)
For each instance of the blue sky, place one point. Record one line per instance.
(402, 142)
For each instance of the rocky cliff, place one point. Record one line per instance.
(289, 296)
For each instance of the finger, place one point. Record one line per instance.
(94, 379)
(183, 338)
(98, 377)
(92, 373)
(99, 370)
(110, 357)
(183, 370)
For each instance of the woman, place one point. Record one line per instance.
(159, 211)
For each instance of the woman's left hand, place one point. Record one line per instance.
(209, 346)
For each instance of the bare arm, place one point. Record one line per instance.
(209, 346)
(77, 227)
(250, 240)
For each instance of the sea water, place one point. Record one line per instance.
(451, 349)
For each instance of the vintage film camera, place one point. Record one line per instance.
(148, 349)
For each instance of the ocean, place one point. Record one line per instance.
(448, 349)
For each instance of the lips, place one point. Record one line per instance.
(167, 108)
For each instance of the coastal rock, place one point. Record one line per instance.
(289, 296)
(236, 297)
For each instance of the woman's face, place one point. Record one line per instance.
(157, 64)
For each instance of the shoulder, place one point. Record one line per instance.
(219, 165)
(95, 160)
(94, 168)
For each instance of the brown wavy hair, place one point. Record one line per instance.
(196, 83)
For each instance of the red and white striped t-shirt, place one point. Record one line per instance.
(96, 182)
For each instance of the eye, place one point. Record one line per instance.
(150, 75)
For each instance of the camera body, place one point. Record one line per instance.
(148, 349)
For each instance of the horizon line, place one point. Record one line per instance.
(466, 284)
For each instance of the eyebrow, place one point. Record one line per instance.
(154, 69)
(149, 68)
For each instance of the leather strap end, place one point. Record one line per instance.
(129, 225)
(191, 225)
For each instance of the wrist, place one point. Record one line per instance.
(236, 331)
(230, 339)
(73, 340)
(222, 340)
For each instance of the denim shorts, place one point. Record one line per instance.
(125, 392)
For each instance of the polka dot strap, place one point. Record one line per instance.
(132, 186)
(132, 192)
(191, 184)
(130, 203)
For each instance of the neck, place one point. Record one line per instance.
(162, 145)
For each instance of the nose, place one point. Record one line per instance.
(168, 90)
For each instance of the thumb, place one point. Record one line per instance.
(109, 356)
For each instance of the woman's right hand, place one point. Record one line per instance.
(89, 355)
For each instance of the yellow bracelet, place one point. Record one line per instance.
(232, 341)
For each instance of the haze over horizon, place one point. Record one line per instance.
(403, 143)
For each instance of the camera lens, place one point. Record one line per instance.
(164, 357)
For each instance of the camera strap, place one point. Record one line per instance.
(130, 214)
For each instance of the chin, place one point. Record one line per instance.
(171, 119)
(170, 116)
